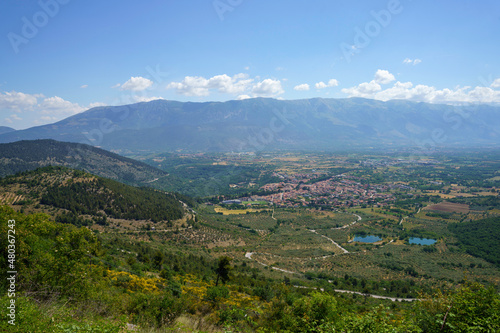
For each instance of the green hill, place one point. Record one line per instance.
(29, 155)
(78, 193)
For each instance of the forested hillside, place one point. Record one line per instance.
(29, 155)
(80, 193)
(480, 238)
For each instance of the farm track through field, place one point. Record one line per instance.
(331, 240)
(344, 251)
(394, 299)
(248, 255)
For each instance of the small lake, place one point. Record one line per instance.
(367, 239)
(422, 241)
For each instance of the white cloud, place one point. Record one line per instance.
(268, 88)
(146, 98)
(331, 83)
(58, 106)
(13, 117)
(301, 87)
(496, 83)
(17, 100)
(137, 84)
(424, 93)
(365, 89)
(116, 86)
(96, 104)
(200, 86)
(383, 76)
(84, 86)
(409, 61)
(242, 97)
(240, 84)
(36, 109)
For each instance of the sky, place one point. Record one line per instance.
(62, 57)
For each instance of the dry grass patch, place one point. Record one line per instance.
(449, 207)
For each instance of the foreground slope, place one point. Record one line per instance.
(268, 124)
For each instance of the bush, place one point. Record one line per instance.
(216, 293)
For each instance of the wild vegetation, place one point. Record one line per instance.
(480, 238)
(87, 263)
(65, 283)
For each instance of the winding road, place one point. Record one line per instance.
(248, 255)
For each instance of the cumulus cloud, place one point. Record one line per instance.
(365, 89)
(242, 97)
(58, 106)
(37, 109)
(13, 117)
(496, 83)
(17, 100)
(84, 86)
(146, 98)
(136, 84)
(383, 76)
(200, 86)
(240, 84)
(301, 87)
(268, 88)
(414, 62)
(424, 93)
(331, 83)
(96, 104)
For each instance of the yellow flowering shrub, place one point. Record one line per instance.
(133, 282)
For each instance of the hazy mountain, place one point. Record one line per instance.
(5, 129)
(29, 155)
(267, 124)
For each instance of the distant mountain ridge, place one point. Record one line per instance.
(29, 155)
(5, 129)
(270, 124)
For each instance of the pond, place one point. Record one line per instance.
(367, 239)
(422, 241)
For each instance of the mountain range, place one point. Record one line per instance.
(265, 124)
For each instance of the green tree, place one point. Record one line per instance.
(223, 269)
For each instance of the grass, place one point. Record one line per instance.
(225, 211)
(293, 247)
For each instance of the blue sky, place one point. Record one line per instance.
(61, 57)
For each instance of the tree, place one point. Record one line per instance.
(158, 259)
(223, 269)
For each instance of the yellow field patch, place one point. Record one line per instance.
(225, 211)
(486, 193)
(449, 207)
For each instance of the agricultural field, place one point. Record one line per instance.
(350, 223)
(300, 237)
